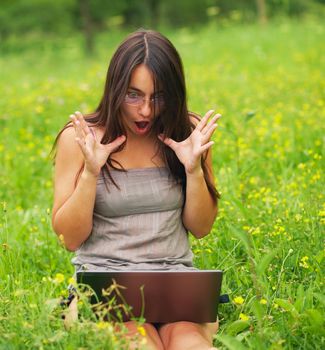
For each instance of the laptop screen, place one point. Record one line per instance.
(158, 296)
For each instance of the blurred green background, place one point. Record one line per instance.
(259, 63)
(39, 19)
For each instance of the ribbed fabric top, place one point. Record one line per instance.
(138, 226)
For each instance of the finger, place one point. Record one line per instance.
(73, 119)
(206, 146)
(204, 120)
(84, 129)
(90, 140)
(84, 126)
(211, 122)
(82, 145)
(112, 146)
(167, 141)
(77, 127)
(206, 137)
(74, 122)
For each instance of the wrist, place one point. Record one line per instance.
(88, 175)
(197, 172)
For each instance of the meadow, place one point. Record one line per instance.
(268, 83)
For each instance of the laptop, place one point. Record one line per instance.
(158, 296)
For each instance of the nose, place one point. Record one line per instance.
(146, 108)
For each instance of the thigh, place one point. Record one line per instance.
(71, 314)
(183, 334)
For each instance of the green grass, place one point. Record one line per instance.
(268, 157)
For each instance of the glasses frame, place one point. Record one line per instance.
(157, 101)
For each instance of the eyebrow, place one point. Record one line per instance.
(134, 88)
(138, 90)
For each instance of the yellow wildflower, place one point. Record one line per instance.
(39, 109)
(142, 331)
(255, 230)
(321, 213)
(304, 262)
(61, 239)
(239, 300)
(253, 180)
(104, 325)
(298, 217)
(72, 281)
(59, 278)
(315, 177)
(243, 317)
(263, 301)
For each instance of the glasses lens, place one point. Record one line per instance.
(133, 98)
(158, 101)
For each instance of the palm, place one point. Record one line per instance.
(189, 151)
(95, 153)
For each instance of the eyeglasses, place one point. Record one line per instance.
(135, 99)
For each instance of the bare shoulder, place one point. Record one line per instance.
(67, 147)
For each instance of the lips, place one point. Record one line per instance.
(142, 125)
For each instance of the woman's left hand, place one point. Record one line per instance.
(189, 151)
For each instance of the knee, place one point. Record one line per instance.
(182, 326)
(174, 334)
(212, 327)
(176, 329)
(131, 327)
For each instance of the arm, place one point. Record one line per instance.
(74, 205)
(200, 210)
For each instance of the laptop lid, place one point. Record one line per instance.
(160, 296)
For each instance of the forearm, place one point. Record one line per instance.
(73, 220)
(200, 210)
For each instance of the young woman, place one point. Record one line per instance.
(134, 177)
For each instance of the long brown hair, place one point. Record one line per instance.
(162, 59)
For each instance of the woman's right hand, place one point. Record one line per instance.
(95, 153)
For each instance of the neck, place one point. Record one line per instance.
(139, 141)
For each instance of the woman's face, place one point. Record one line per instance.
(141, 102)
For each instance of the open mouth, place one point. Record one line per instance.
(142, 127)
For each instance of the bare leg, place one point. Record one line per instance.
(152, 339)
(71, 315)
(188, 335)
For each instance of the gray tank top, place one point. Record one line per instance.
(138, 226)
